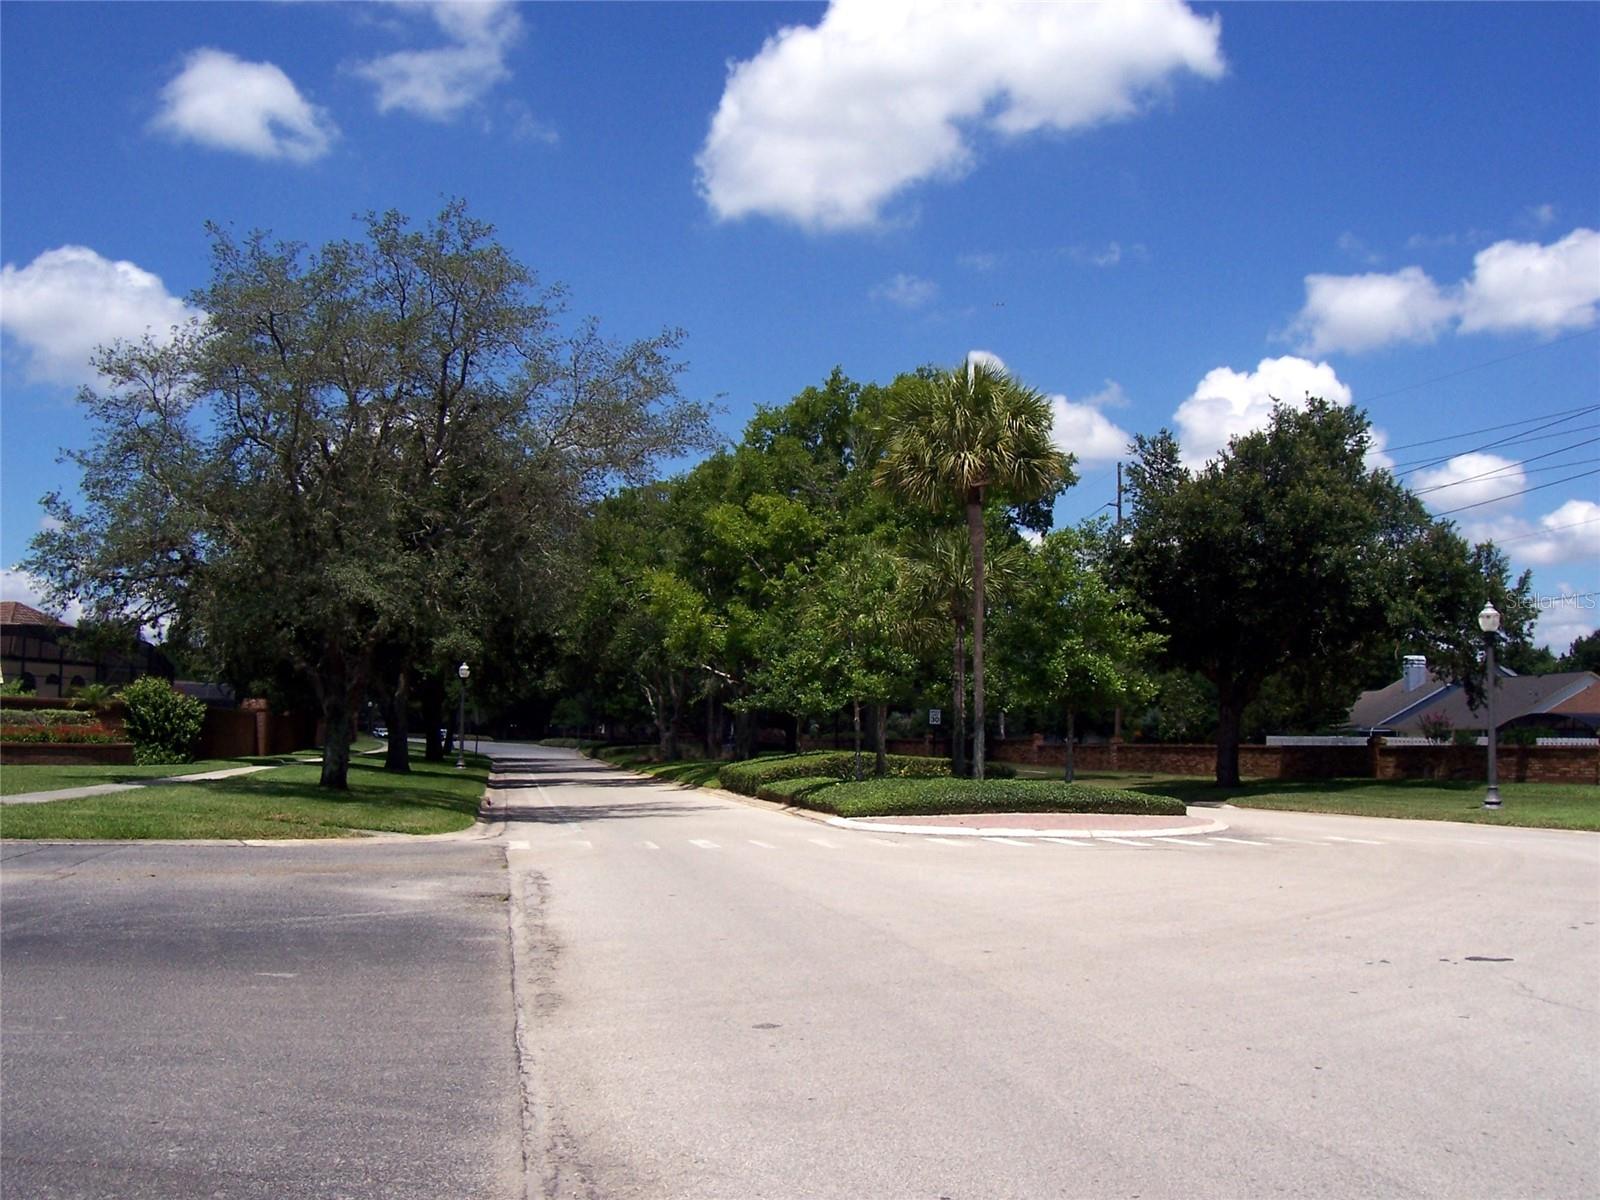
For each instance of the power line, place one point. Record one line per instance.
(1452, 437)
(1411, 387)
(1522, 537)
(1510, 466)
(1489, 445)
(1523, 492)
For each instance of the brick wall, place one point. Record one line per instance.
(253, 730)
(63, 754)
(1520, 764)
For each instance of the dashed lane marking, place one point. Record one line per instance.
(823, 842)
(1005, 841)
(1357, 841)
(1179, 843)
(650, 845)
(1296, 841)
(763, 845)
(1238, 841)
(943, 841)
(1125, 842)
(703, 844)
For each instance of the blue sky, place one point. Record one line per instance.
(1159, 214)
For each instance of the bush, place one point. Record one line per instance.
(1436, 727)
(793, 791)
(746, 778)
(14, 717)
(70, 733)
(162, 722)
(1465, 737)
(928, 797)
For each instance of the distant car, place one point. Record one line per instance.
(380, 731)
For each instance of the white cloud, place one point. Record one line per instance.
(226, 103)
(1358, 249)
(70, 300)
(1564, 618)
(907, 291)
(440, 83)
(1360, 312)
(985, 358)
(1523, 286)
(1228, 403)
(1515, 287)
(1083, 430)
(1112, 395)
(827, 123)
(1477, 478)
(979, 261)
(1540, 214)
(1567, 534)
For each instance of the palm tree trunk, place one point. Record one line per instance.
(975, 533)
(958, 704)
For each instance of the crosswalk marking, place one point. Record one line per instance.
(703, 844)
(763, 845)
(944, 841)
(1061, 841)
(1237, 841)
(1296, 841)
(1357, 841)
(823, 842)
(1179, 844)
(650, 846)
(1005, 841)
(1125, 842)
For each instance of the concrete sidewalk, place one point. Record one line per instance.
(105, 789)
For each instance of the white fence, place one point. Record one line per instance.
(1484, 741)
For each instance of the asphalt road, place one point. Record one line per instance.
(735, 1002)
(227, 1021)
(703, 998)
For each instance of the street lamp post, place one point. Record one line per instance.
(1489, 622)
(461, 718)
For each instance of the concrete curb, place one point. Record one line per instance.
(867, 824)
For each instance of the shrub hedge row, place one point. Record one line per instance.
(926, 797)
(747, 777)
(64, 734)
(13, 717)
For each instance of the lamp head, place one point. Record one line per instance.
(463, 670)
(1489, 619)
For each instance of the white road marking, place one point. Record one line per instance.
(823, 842)
(1296, 841)
(1357, 841)
(1179, 844)
(521, 845)
(1061, 841)
(1237, 841)
(279, 974)
(703, 844)
(1005, 841)
(886, 842)
(942, 841)
(1125, 842)
(763, 845)
(584, 842)
(650, 845)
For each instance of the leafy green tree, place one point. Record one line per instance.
(962, 438)
(1287, 551)
(357, 449)
(1583, 654)
(1070, 639)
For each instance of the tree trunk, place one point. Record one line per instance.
(335, 738)
(791, 735)
(1230, 714)
(432, 718)
(855, 714)
(397, 712)
(744, 735)
(958, 704)
(1071, 768)
(975, 534)
(712, 741)
(675, 689)
(881, 734)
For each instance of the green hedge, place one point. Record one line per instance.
(162, 722)
(747, 778)
(794, 791)
(927, 797)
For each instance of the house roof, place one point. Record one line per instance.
(13, 612)
(1567, 693)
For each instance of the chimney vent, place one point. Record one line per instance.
(1415, 672)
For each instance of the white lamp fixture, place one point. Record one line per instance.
(1488, 621)
(464, 672)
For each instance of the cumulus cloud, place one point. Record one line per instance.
(226, 103)
(827, 123)
(1083, 430)
(1567, 534)
(1564, 617)
(1467, 479)
(907, 291)
(17, 585)
(1360, 312)
(1523, 286)
(1228, 403)
(985, 358)
(1515, 287)
(70, 300)
(440, 83)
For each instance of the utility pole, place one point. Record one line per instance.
(1116, 717)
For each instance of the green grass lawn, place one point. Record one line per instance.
(14, 780)
(283, 802)
(694, 772)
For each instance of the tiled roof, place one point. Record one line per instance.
(13, 612)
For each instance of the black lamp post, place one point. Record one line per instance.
(1489, 622)
(461, 718)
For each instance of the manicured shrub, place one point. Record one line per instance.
(14, 717)
(162, 722)
(926, 797)
(793, 791)
(747, 777)
(63, 733)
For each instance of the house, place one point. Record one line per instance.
(39, 650)
(1567, 702)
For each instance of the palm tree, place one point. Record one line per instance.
(937, 573)
(957, 437)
